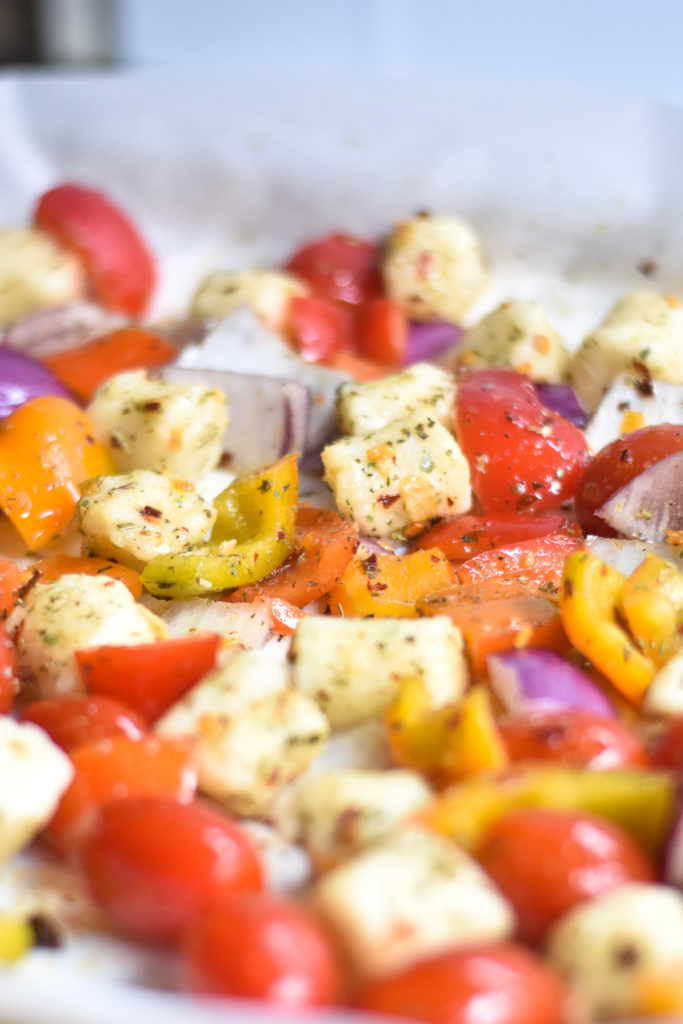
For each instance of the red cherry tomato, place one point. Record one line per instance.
(490, 984)
(117, 261)
(383, 332)
(545, 861)
(149, 677)
(121, 768)
(521, 455)
(616, 465)
(152, 863)
(8, 671)
(261, 947)
(339, 267)
(667, 750)
(469, 535)
(72, 721)
(577, 739)
(12, 579)
(319, 327)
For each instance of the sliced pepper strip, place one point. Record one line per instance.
(589, 607)
(652, 603)
(252, 535)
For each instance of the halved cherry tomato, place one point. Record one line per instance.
(118, 263)
(319, 327)
(487, 984)
(85, 368)
(258, 946)
(521, 454)
(339, 267)
(618, 463)
(9, 683)
(383, 332)
(575, 738)
(324, 546)
(469, 535)
(71, 722)
(120, 768)
(545, 861)
(149, 677)
(538, 564)
(153, 863)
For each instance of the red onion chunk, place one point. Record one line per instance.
(428, 340)
(268, 416)
(55, 330)
(533, 677)
(562, 399)
(650, 504)
(23, 378)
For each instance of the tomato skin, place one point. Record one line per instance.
(119, 265)
(383, 332)
(571, 737)
(667, 750)
(545, 861)
(152, 863)
(319, 327)
(339, 267)
(468, 535)
(489, 984)
(12, 579)
(617, 464)
(257, 946)
(149, 677)
(521, 454)
(8, 671)
(72, 721)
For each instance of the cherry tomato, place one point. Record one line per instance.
(121, 768)
(468, 535)
(72, 721)
(545, 861)
(8, 671)
(319, 327)
(575, 738)
(261, 947)
(521, 454)
(667, 750)
(339, 267)
(153, 863)
(12, 579)
(616, 465)
(149, 677)
(383, 332)
(489, 984)
(118, 263)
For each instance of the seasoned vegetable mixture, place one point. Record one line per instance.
(342, 641)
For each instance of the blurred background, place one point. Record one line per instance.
(623, 46)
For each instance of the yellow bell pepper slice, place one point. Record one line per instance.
(253, 534)
(47, 448)
(388, 585)
(652, 603)
(589, 607)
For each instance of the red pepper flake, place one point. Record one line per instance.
(370, 566)
(387, 500)
(150, 513)
(151, 406)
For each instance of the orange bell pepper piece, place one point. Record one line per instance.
(652, 603)
(589, 606)
(51, 569)
(388, 585)
(47, 448)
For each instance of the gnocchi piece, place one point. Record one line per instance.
(664, 695)
(606, 946)
(336, 813)
(422, 389)
(35, 274)
(136, 516)
(267, 293)
(518, 336)
(434, 266)
(146, 423)
(71, 613)
(37, 772)
(411, 894)
(405, 473)
(353, 668)
(255, 732)
(642, 332)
